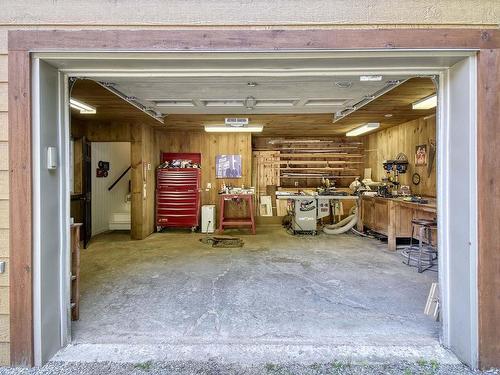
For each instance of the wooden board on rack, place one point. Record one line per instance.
(303, 161)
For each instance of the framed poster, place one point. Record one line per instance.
(228, 166)
(421, 155)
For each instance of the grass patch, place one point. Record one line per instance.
(338, 367)
(145, 366)
(428, 367)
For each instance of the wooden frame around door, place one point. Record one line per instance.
(22, 43)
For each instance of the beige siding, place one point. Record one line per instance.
(250, 12)
(4, 126)
(3, 97)
(4, 243)
(4, 300)
(4, 277)
(3, 68)
(4, 354)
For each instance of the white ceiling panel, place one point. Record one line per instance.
(226, 95)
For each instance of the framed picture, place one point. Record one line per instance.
(421, 155)
(228, 166)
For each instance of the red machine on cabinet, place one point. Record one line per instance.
(178, 193)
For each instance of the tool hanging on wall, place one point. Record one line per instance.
(102, 169)
(432, 156)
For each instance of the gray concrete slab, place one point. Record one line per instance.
(309, 296)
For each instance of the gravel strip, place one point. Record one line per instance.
(213, 368)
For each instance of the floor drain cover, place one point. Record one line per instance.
(222, 242)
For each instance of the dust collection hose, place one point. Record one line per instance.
(344, 225)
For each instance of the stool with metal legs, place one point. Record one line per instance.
(424, 254)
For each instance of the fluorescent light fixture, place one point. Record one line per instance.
(426, 103)
(84, 109)
(370, 78)
(363, 129)
(232, 129)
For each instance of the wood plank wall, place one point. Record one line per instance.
(211, 145)
(387, 143)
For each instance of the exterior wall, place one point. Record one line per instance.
(251, 12)
(107, 14)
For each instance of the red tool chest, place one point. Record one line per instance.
(178, 193)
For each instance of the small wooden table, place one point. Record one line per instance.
(232, 222)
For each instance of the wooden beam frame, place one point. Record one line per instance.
(22, 43)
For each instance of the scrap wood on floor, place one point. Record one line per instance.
(222, 241)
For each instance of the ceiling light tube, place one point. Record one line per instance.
(231, 129)
(363, 129)
(82, 107)
(426, 103)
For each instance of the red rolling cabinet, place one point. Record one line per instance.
(178, 198)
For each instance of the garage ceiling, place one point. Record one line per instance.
(248, 94)
(397, 103)
(301, 91)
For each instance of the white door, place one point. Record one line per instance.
(50, 250)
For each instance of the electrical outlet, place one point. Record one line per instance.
(209, 185)
(149, 166)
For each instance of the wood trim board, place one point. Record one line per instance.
(21, 43)
(20, 199)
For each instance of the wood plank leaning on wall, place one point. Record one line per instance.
(387, 143)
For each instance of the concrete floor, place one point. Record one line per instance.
(292, 293)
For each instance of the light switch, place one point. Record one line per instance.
(2, 267)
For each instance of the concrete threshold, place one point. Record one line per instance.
(251, 354)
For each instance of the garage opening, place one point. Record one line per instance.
(307, 274)
(269, 212)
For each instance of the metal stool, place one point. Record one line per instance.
(425, 253)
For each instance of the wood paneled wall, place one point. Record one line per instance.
(386, 144)
(210, 145)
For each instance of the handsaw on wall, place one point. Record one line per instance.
(432, 156)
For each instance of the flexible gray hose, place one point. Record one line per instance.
(344, 225)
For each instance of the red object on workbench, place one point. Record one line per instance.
(228, 222)
(178, 193)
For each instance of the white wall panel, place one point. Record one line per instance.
(105, 202)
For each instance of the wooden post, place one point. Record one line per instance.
(391, 229)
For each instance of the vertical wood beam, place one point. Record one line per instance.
(136, 177)
(488, 189)
(20, 216)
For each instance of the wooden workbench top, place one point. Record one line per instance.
(431, 205)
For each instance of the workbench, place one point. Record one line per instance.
(392, 217)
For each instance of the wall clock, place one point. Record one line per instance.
(415, 178)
